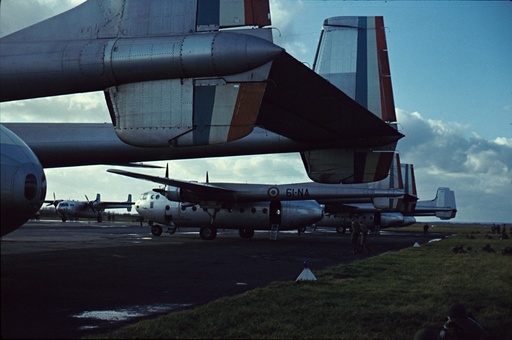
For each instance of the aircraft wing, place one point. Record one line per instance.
(194, 190)
(112, 205)
(302, 105)
(191, 82)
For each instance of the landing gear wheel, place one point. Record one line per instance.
(100, 218)
(171, 230)
(246, 232)
(208, 233)
(341, 230)
(156, 230)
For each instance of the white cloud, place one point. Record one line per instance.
(478, 170)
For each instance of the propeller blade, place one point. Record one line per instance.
(207, 179)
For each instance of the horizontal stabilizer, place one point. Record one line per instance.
(443, 206)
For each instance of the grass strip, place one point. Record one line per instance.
(388, 296)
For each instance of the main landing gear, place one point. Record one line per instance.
(208, 233)
(246, 232)
(157, 230)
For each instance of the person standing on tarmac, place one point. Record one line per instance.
(355, 235)
(363, 229)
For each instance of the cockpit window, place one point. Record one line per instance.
(30, 187)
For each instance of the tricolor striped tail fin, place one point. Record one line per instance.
(352, 55)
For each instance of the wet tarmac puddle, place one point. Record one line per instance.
(98, 318)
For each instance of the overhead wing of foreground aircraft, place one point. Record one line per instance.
(74, 209)
(197, 78)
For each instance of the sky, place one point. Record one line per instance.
(452, 83)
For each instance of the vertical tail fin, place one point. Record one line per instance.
(129, 208)
(411, 196)
(352, 55)
(360, 65)
(443, 206)
(393, 181)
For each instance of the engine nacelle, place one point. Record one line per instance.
(173, 194)
(23, 182)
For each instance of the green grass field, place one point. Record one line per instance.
(388, 296)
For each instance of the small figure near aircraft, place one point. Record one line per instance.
(73, 209)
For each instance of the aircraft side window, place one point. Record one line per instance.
(253, 210)
(157, 196)
(167, 207)
(183, 208)
(265, 210)
(242, 210)
(152, 197)
(194, 208)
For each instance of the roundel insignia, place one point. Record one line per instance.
(273, 192)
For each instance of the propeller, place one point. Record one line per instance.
(207, 179)
(55, 202)
(89, 203)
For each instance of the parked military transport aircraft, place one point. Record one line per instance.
(73, 209)
(258, 206)
(179, 84)
(442, 206)
(391, 212)
(245, 216)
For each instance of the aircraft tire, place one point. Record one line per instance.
(156, 230)
(246, 232)
(341, 230)
(64, 219)
(171, 230)
(208, 233)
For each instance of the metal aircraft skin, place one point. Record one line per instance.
(443, 206)
(212, 205)
(205, 83)
(74, 209)
(218, 194)
(392, 212)
(245, 216)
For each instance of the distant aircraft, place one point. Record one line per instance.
(179, 84)
(391, 212)
(443, 206)
(73, 209)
